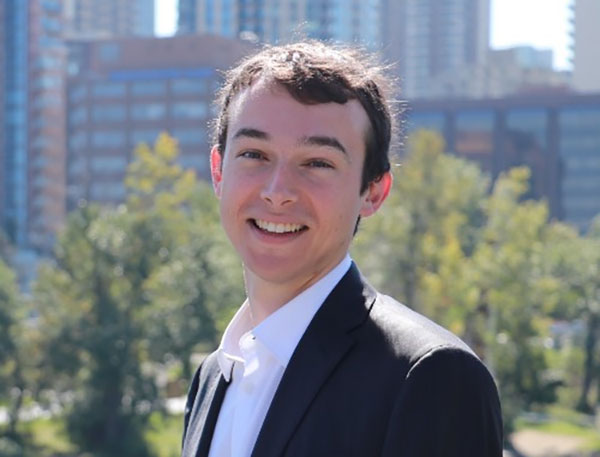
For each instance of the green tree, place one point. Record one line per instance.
(89, 304)
(574, 261)
(433, 214)
(470, 260)
(9, 364)
(200, 280)
(130, 289)
(17, 370)
(515, 290)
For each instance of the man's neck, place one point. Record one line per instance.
(266, 297)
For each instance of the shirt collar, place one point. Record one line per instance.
(281, 331)
(229, 349)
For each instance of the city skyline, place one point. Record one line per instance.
(510, 25)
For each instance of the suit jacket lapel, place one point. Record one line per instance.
(326, 340)
(205, 411)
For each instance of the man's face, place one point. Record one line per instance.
(289, 183)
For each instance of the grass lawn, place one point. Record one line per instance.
(49, 438)
(565, 423)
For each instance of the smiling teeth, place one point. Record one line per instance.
(277, 228)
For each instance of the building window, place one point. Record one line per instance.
(78, 116)
(47, 82)
(148, 88)
(529, 121)
(147, 136)
(475, 137)
(77, 93)
(108, 164)
(108, 89)
(51, 24)
(47, 62)
(109, 52)
(108, 139)
(188, 110)
(197, 161)
(76, 166)
(188, 86)
(42, 141)
(109, 113)
(424, 120)
(107, 191)
(47, 100)
(77, 140)
(190, 137)
(52, 6)
(147, 111)
(580, 152)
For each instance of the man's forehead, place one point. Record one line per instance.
(253, 91)
(265, 86)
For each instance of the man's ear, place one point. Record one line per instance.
(216, 169)
(376, 194)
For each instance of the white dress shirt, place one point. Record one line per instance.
(254, 360)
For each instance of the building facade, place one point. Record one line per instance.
(33, 134)
(586, 62)
(433, 40)
(124, 92)
(3, 109)
(280, 21)
(108, 18)
(557, 137)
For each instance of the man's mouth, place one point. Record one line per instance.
(273, 227)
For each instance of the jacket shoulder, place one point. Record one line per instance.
(410, 333)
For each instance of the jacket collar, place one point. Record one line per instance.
(327, 339)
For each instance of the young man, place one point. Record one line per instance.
(316, 362)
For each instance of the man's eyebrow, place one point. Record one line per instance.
(323, 141)
(251, 133)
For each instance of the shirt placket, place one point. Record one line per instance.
(248, 395)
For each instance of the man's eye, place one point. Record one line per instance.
(251, 155)
(319, 164)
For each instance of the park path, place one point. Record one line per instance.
(533, 443)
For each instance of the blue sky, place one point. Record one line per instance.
(539, 23)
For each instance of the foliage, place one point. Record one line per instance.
(13, 352)
(8, 303)
(164, 434)
(134, 291)
(483, 262)
(48, 437)
(130, 289)
(574, 262)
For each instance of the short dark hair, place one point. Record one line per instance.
(314, 72)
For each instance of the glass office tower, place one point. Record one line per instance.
(33, 148)
(13, 151)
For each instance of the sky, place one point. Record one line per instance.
(539, 23)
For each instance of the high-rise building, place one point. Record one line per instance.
(108, 18)
(33, 149)
(280, 21)
(2, 114)
(435, 44)
(127, 91)
(586, 63)
(433, 40)
(523, 70)
(556, 136)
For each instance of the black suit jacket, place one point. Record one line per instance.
(369, 377)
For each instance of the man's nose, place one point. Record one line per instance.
(279, 188)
